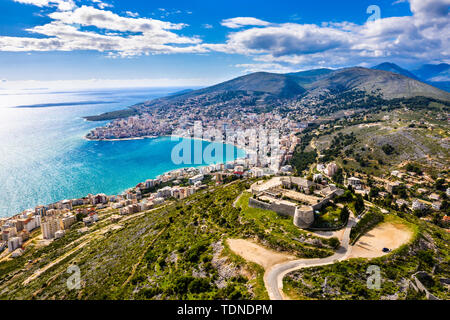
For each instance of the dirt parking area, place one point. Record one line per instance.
(258, 254)
(386, 235)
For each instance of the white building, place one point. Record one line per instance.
(354, 182)
(165, 192)
(331, 169)
(320, 167)
(256, 172)
(49, 227)
(419, 205)
(14, 243)
(286, 168)
(158, 201)
(196, 178)
(32, 223)
(59, 234)
(436, 205)
(401, 202)
(317, 177)
(17, 253)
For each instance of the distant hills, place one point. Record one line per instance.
(388, 83)
(279, 85)
(437, 75)
(392, 67)
(434, 72)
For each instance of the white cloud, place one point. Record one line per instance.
(102, 19)
(132, 14)
(267, 67)
(424, 36)
(60, 4)
(123, 36)
(239, 22)
(101, 4)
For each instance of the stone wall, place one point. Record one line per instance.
(253, 203)
(280, 208)
(304, 218)
(322, 203)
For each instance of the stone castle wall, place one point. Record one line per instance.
(280, 208)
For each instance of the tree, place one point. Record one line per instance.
(338, 177)
(334, 242)
(413, 168)
(440, 184)
(345, 213)
(359, 203)
(199, 285)
(350, 188)
(388, 149)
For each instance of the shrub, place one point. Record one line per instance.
(388, 149)
(199, 285)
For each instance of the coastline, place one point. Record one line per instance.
(247, 151)
(124, 139)
(182, 137)
(163, 173)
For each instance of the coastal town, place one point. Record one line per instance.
(48, 223)
(324, 183)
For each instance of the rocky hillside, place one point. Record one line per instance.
(392, 67)
(389, 85)
(263, 91)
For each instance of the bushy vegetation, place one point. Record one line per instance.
(338, 145)
(428, 252)
(168, 253)
(302, 160)
(388, 149)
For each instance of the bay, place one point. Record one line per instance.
(45, 158)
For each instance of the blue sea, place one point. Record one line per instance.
(44, 157)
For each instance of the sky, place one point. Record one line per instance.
(112, 43)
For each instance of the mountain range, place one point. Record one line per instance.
(437, 75)
(390, 80)
(264, 90)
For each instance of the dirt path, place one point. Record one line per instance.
(386, 235)
(237, 199)
(38, 272)
(330, 234)
(258, 254)
(85, 240)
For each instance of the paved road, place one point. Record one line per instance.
(273, 277)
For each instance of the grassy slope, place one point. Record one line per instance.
(158, 255)
(410, 144)
(347, 279)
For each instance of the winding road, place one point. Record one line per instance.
(273, 278)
